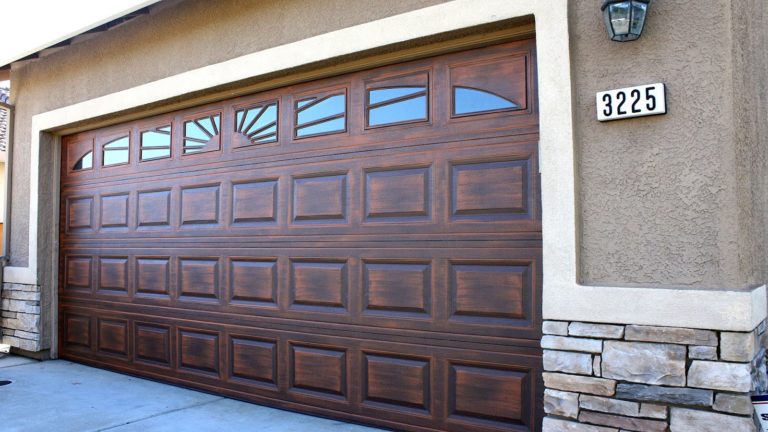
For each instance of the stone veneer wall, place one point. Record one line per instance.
(20, 322)
(609, 378)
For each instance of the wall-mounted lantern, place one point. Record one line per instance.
(624, 19)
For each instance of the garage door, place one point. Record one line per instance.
(365, 247)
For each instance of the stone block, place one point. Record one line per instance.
(557, 425)
(21, 295)
(604, 331)
(568, 362)
(559, 328)
(738, 347)
(26, 335)
(21, 306)
(560, 403)
(732, 403)
(579, 384)
(688, 420)
(597, 366)
(9, 286)
(571, 344)
(23, 344)
(608, 405)
(673, 335)
(735, 377)
(24, 322)
(698, 352)
(630, 423)
(647, 363)
(667, 395)
(653, 411)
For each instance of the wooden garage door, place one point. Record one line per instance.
(366, 246)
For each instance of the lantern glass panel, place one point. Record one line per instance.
(638, 17)
(619, 14)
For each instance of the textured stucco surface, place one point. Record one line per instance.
(672, 200)
(175, 37)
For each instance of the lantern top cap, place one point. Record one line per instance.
(609, 2)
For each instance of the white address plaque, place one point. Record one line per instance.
(644, 100)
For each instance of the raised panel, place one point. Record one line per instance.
(199, 278)
(254, 202)
(320, 199)
(113, 273)
(478, 394)
(254, 360)
(152, 276)
(154, 208)
(152, 343)
(397, 194)
(80, 213)
(489, 290)
(322, 371)
(398, 381)
(200, 205)
(114, 211)
(79, 274)
(78, 330)
(490, 190)
(319, 284)
(199, 351)
(396, 287)
(504, 78)
(253, 282)
(113, 337)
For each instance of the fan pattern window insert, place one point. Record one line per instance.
(84, 163)
(202, 134)
(397, 105)
(258, 123)
(321, 115)
(116, 152)
(156, 143)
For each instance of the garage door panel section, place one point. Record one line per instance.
(468, 291)
(422, 385)
(442, 191)
(365, 246)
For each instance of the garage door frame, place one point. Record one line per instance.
(554, 98)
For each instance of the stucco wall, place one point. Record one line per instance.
(172, 39)
(673, 200)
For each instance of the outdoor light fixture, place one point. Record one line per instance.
(624, 19)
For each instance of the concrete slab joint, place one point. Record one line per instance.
(651, 378)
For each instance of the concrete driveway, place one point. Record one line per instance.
(63, 396)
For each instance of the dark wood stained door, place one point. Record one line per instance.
(365, 247)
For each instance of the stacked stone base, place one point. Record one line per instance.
(20, 313)
(610, 378)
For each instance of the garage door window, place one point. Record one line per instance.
(116, 151)
(84, 163)
(156, 143)
(202, 134)
(321, 115)
(258, 123)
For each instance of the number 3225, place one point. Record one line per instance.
(633, 103)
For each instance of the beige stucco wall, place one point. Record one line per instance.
(174, 38)
(674, 200)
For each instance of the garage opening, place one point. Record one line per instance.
(366, 246)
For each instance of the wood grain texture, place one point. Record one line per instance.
(387, 274)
